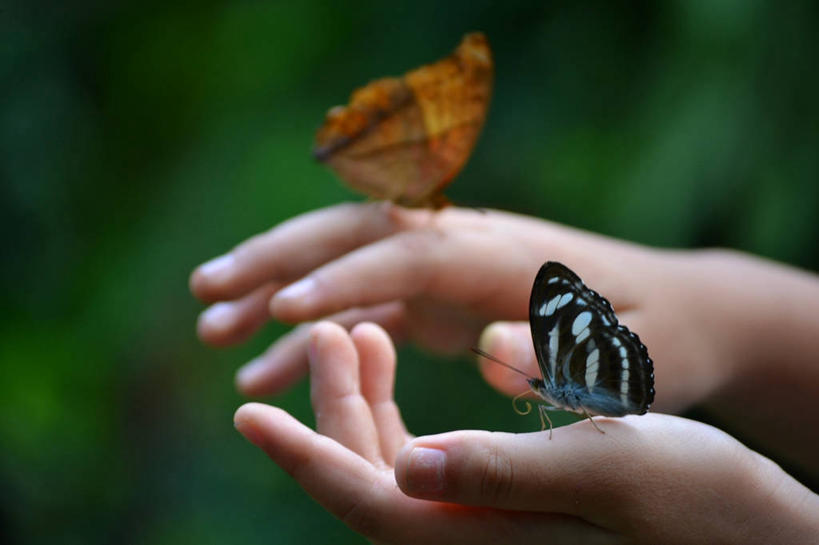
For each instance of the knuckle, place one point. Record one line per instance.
(417, 242)
(497, 476)
(396, 218)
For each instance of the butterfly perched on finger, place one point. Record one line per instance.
(590, 363)
(404, 139)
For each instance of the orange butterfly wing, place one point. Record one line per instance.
(405, 139)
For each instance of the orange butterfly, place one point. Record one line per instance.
(404, 139)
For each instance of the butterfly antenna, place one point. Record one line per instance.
(490, 357)
(526, 404)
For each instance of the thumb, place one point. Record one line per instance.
(510, 342)
(491, 469)
(580, 472)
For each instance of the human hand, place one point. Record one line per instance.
(649, 479)
(438, 279)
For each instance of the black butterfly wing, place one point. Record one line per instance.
(588, 361)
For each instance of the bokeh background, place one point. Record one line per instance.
(138, 139)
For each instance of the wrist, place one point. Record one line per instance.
(760, 317)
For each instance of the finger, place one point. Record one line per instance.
(600, 477)
(338, 478)
(510, 342)
(377, 356)
(367, 500)
(278, 254)
(232, 322)
(341, 411)
(285, 362)
(450, 266)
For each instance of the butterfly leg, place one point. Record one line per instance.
(543, 414)
(592, 421)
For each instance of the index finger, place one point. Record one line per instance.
(295, 247)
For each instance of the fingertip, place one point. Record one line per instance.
(250, 375)
(292, 303)
(198, 285)
(215, 323)
(400, 466)
(422, 472)
(207, 278)
(371, 339)
(248, 421)
(422, 466)
(510, 342)
(370, 332)
(328, 342)
(325, 330)
(499, 338)
(194, 282)
(271, 307)
(249, 411)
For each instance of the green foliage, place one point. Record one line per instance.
(139, 140)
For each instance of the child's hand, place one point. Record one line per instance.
(438, 279)
(649, 479)
(734, 332)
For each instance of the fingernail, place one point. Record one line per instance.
(491, 337)
(217, 266)
(425, 470)
(250, 372)
(219, 316)
(499, 338)
(299, 290)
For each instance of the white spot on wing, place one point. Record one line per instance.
(547, 309)
(567, 297)
(592, 368)
(581, 322)
(554, 346)
(624, 386)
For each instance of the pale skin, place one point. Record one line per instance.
(727, 331)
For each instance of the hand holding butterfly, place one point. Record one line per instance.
(726, 330)
(643, 481)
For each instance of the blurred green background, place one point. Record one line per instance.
(139, 139)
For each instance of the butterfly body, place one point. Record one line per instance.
(590, 363)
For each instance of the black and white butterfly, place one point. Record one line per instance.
(590, 364)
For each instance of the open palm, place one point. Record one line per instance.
(641, 482)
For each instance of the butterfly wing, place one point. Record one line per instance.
(405, 139)
(588, 360)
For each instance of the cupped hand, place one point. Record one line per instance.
(439, 279)
(648, 479)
